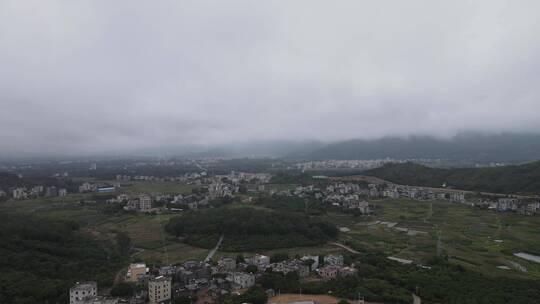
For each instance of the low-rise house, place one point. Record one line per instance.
(333, 260)
(82, 292)
(51, 191)
(87, 187)
(329, 272)
(19, 193)
(227, 264)
(242, 279)
(347, 271)
(62, 192)
(297, 266)
(314, 258)
(136, 272)
(261, 261)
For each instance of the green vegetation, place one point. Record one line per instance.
(42, 258)
(478, 240)
(293, 203)
(509, 179)
(462, 148)
(254, 295)
(385, 281)
(249, 229)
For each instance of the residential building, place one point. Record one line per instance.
(261, 261)
(159, 290)
(227, 264)
(51, 191)
(136, 271)
(241, 279)
(82, 292)
(333, 260)
(19, 193)
(87, 187)
(329, 272)
(145, 202)
(62, 192)
(314, 258)
(347, 271)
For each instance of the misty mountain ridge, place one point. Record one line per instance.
(504, 147)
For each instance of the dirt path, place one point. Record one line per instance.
(213, 251)
(349, 249)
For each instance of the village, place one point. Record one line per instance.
(213, 280)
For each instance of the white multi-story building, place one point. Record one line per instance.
(243, 280)
(261, 261)
(145, 203)
(82, 292)
(314, 258)
(19, 193)
(159, 290)
(333, 260)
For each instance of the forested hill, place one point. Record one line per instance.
(463, 147)
(42, 258)
(509, 179)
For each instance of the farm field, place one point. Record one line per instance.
(477, 239)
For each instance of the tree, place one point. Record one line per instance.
(124, 243)
(122, 290)
(251, 269)
(254, 295)
(242, 189)
(240, 259)
(278, 257)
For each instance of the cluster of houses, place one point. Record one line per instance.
(228, 276)
(87, 293)
(20, 193)
(344, 164)
(198, 178)
(87, 187)
(351, 196)
(507, 204)
(211, 188)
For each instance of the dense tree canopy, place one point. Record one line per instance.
(248, 229)
(41, 259)
(508, 179)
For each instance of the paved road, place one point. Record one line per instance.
(213, 251)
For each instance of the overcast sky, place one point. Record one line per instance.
(86, 76)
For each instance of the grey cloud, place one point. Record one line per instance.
(89, 76)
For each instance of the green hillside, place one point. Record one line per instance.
(509, 179)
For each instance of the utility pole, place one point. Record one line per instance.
(439, 243)
(360, 299)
